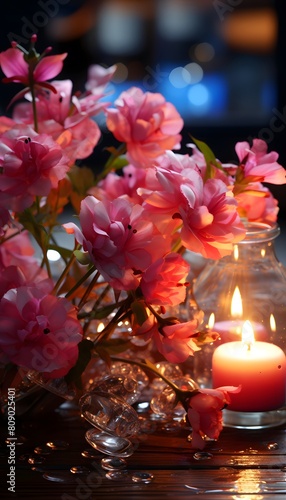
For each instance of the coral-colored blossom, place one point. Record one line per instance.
(204, 413)
(163, 282)
(39, 331)
(146, 123)
(258, 204)
(174, 340)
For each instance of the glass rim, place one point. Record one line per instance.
(260, 232)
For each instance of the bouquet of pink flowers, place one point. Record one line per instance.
(134, 220)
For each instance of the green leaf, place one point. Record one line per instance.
(119, 163)
(116, 346)
(209, 156)
(82, 178)
(84, 356)
(139, 310)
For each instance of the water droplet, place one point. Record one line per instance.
(117, 475)
(113, 463)
(142, 407)
(37, 469)
(58, 445)
(59, 477)
(202, 455)
(108, 444)
(42, 450)
(142, 477)
(36, 460)
(89, 454)
(80, 469)
(272, 446)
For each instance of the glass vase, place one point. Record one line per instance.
(249, 284)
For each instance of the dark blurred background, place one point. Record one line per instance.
(221, 62)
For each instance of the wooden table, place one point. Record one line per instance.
(241, 465)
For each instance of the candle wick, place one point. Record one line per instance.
(247, 344)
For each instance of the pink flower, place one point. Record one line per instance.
(173, 340)
(98, 77)
(11, 277)
(32, 164)
(146, 123)
(258, 163)
(205, 212)
(213, 225)
(163, 282)
(119, 240)
(5, 218)
(18, 251)
(16, 67)
(125, 185)
(39, 331)
(205, 413)
(66, 118)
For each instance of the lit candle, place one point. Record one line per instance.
(232, 329)
(259, 367)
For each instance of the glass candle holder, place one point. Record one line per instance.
(248, 285)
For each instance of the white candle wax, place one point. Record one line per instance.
(259, 369)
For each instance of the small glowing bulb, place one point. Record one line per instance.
(53, 255)
(100, 327)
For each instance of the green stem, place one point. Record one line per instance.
(122, 313)
(80, 282)
(65, 271)
(109, 164)
(88, 290)
(34, 103)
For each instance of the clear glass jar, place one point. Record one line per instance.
(249, 285)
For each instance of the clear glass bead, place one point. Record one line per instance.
(109, 414)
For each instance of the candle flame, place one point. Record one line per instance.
(272, 323)
(247, 335)
(235, 252)
(236, 309)
(211, 321)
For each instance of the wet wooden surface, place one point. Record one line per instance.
(242, 465)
